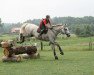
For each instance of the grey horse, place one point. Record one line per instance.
(50, 36)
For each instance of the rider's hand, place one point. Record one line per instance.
(51, 27)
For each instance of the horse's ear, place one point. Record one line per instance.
(65, 25)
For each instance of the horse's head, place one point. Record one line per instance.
(65, 30)
(21, 38)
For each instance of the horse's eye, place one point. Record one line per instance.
(65, 29)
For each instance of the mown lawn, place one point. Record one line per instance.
(77, 60)
(72, 63)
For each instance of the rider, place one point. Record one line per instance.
(44, 25)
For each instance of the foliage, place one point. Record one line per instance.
(1, 26)
(0, 22)
(84, 30)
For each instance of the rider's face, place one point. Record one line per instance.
(47, 18)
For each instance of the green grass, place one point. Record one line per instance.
(72, 63)
(7, 36)
(77, 59)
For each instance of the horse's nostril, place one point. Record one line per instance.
(68, 35)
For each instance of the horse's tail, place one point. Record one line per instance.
(22, 29)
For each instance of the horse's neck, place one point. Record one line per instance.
(56, 31)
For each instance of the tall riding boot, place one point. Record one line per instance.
(40, 34)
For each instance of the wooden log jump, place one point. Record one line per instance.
(12, 53)
(33, 56)
(15, 58)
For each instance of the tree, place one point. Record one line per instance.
(1, 26)
(0, 23)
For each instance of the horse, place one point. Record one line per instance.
(29, 30)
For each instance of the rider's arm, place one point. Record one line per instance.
(44, 21)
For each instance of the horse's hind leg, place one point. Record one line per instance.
(53, 48)
(61, 51)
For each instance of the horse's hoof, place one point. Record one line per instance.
(56, 58)
(62, 53)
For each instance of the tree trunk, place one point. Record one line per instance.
(15, 58)
(33, 56)
(9, 52)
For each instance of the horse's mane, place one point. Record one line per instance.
(57, 25)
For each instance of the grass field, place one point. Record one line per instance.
(78, 59)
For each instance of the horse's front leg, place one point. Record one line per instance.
(61, 51)
(53, 48)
